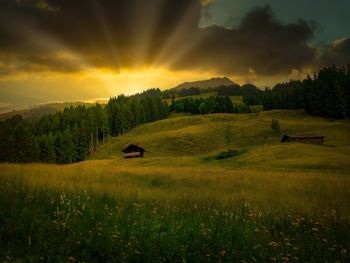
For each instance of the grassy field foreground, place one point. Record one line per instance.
(272, 202)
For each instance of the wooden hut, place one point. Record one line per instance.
(133, 151)
(313, 139)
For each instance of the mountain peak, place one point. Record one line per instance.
(209, 83)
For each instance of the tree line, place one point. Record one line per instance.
(212, 104)
(325, 94)
(70, 135)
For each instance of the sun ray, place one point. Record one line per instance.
(143, 26)
(173, 49)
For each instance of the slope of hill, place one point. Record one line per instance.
(269, 198)
(209, 83)
(36, 113)
(186, 140)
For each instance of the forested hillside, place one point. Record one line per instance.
(70, 135)
(325, 94)
(36, 112)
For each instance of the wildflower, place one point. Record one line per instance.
(315, 229)
(273, 244)
(71, 259)
(222, 253)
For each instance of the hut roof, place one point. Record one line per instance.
(303, 138)
(133, 148)
(306, 136)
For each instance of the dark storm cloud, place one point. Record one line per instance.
(338, 53)
(130, 33)
(261, 42)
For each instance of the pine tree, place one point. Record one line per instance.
(336, 107)
(172, 105)
(51, 152)
(65, 151)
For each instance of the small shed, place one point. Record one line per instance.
(313, 139)
(133, 151)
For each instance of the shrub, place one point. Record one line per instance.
(275, 126)
(227, 154)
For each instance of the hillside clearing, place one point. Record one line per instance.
(198, 136)
(272, 201)
(179, 162)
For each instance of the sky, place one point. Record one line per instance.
(64, 50)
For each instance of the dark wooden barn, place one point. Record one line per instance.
(313, 139)
(133, 151)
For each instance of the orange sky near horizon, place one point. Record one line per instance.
(56, 51)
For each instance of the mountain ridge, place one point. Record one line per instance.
(208, 83)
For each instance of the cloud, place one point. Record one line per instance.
(106, 33)
(338, 53)
(207, 2)
(260, 42)
(66, 35)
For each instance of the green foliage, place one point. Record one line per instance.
(227, 154)
(47, 148)
(70, 135)
(242, 108)
(126, 113)
(328, 93)
(65, 150)
(213, 104)
(275, 126)
(18, 143)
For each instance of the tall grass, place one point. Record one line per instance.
(272, 202)
(55, 225)
(305, 190)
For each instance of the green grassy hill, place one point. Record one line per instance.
(273, 202)
(201, 136)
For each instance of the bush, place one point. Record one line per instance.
(275, 126)
(227, 154)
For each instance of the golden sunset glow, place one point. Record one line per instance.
(174, 131)
(74, 50)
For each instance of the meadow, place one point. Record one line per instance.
(271, 202)
(236, 100)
